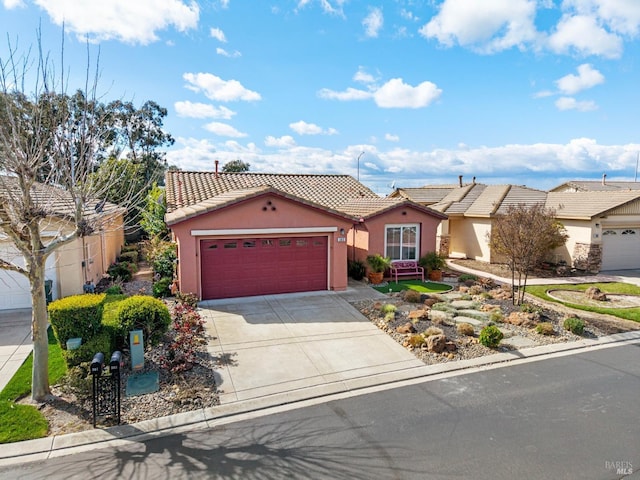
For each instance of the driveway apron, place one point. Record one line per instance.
(15, 342)
(281, 343)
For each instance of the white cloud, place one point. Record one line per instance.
(192, 154)
(373, 22)
(217, 89)
(202, 110)
(621, 16)
(304, 128)
(218, 35)
(328, 6)
(124, 20)
(543, 94)
(224, 130)
(224, 53)
(11, 4)
(361, 76)
(286, 141)
(584, 35)
(570, 103)
(408, 15)
(587, 77)
(397, 94)
(348, 95)
(488, 26)
(391, 138)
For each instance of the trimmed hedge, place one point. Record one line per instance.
(143, 313)
(122, 270)
(100, 342)
(131, 257)
(76, 316)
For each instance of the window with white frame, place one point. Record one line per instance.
(402, 241)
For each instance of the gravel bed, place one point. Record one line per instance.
(466, 347)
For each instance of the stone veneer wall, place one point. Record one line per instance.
(588, 257)
(444, 241)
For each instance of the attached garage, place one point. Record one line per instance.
(620, 248)
(240, 267)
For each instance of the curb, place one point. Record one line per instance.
(61, 445)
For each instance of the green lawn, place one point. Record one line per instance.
(418, 285)
(25, 422)
(614, 287)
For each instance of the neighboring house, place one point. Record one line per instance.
(71, 265)
(603, 225)
(243, 234)
(603, 185)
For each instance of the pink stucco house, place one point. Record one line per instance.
(243, 234)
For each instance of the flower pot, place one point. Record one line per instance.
(375, 277)
(435, 275)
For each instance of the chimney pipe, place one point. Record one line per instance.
(460, 179)
(216, 162)
(474, 180)
(604, 179)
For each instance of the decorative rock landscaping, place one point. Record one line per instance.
(446, 327)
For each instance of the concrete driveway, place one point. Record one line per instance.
(15, 342)
(276, 344)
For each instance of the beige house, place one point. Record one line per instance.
(73, 264)
(603, 224)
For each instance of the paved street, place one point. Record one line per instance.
(568, 417)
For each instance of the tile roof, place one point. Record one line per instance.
(586, 205)
(55, 201)
(188, 188)
(595, 186)
(193, 193)
(425, 196)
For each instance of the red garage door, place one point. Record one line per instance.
(260, 266)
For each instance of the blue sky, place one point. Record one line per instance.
(530, 92)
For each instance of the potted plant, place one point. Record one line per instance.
(433, 262)
(377, 265)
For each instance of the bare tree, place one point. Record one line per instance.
(48, 145)
(524, 235)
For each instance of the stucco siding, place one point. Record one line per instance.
(469, 237)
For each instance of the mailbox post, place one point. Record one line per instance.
(106, 389)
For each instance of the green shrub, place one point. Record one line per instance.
(114, 290)
(490, 336)
(465, 277)
(530, 308)
(100, 342)
(162, 288)
(131, 247)
(389, 317)
(164, 261)
(356, 269)
(78, 382)
(496, 316)
(433, 331)
(416, 340)
(388, 308)
(143, 313)
(574, 324)
(122, 270)
(412, 296)
(465, 328)
(545, 328)
(76, 316)
(131, 257)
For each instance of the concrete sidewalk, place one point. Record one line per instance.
(283, 352)
(15, 342)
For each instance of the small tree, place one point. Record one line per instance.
(524, 235)
(235, 166)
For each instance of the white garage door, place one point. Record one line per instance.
(620, 248)
(14, 287)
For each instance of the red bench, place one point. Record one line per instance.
(406, 267)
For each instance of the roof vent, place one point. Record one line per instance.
(604, 179)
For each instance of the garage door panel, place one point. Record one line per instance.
(245, 267)
(620, 248)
